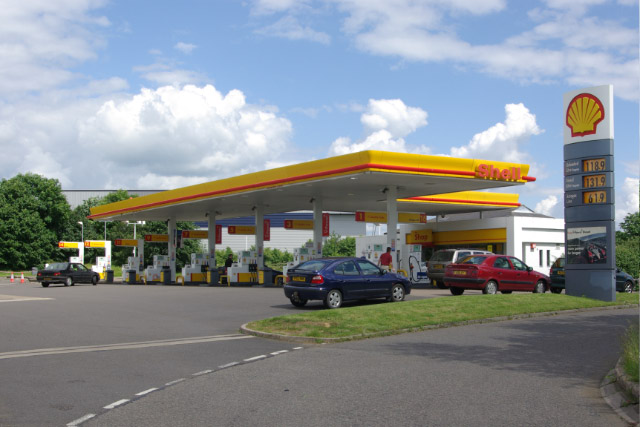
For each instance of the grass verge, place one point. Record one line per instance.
(631, 352)
(390, 318)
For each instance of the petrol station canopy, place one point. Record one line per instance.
(435, 185)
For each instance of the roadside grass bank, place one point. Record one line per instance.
(631, 352)
(392, 318)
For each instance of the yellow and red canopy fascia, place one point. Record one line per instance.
(364, 161)
(477, 198)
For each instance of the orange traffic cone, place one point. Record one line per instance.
(12, 279)
(21, 277)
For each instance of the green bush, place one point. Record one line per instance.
(631, 352)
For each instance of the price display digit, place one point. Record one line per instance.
(593, 165)
(591, 181)
(590, 197)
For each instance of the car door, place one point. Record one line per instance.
(504, 273)
(524, 280)
(350, 280)
(376, 282)
(84, 274)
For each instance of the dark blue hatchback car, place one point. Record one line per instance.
(334, 280)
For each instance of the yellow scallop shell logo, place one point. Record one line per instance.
(584, 113)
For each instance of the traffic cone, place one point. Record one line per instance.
(12, 279)
(21, 277)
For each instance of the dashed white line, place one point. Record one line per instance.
(298, 348)
(208, 371)
(228, 365)
(142, 393)
(175, 382)
(275, 353)
(251, 359)
(116, 404)
(81, 420)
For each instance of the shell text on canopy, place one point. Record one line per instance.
(584, 113)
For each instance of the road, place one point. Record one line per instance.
(114, 343)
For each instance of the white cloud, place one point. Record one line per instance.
(546, 206)
(41, 40)
(627, 201)
(186, 48)
(290, 28)
(503, 141)
(386, 122)
(564, 42)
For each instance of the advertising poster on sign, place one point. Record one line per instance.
(587, 245)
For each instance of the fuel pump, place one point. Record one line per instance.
(196, 271)
(79, 246)
(245, 270)
(300, 255)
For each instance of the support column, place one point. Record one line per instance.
(172, 246)
(317, 225)
(392, 221)
(259, 213)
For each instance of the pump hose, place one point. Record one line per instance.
(411, 270)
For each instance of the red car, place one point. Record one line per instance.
(493, 273)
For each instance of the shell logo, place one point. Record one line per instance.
(584, 113)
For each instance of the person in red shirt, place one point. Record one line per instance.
(386, 260)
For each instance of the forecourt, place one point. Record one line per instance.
(375, 181)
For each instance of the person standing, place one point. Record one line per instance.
(386, 260)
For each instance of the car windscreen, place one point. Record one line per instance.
(559, 263)
(476, 260)
(442, 256)
(312, 265)
(57, 266)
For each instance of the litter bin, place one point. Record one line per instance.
(109, 276)
(131, 276)
(267, 277)
(165, 276)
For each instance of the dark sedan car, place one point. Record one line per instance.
(67, 273)
(493, 273)
(334, 280)
(624, 281)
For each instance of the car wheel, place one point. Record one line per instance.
(456, 291)
(68, 281)
(628, 287)
(490, 288)
(397, 293)
(297, 301)
(556, 290)
(506, 292)
(45, 284)
(333, 299)
(540, 288)
(94, 280)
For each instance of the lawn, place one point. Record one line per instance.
(361, 321)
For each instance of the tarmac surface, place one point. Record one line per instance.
(539, 371)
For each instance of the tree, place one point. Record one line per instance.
(34, 216)
(628, 245)
(337, 246)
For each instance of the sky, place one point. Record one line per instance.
(109, 94)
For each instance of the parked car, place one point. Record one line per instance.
(493, 273)
(624, 281)
(442, 258)
(67, 273)
(334, 280)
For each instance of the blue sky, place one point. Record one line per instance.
(157, 95)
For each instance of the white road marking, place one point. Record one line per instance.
(251, 359)
(81, 420)
(13, 298)
(208, 371)
(142, 393)
(121, 346)
(298, 348)
(275, 353)
(175, 382)
(228, 365)
(116, 404)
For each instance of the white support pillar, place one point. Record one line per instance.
(259, 213)
(392, 221)
(172, 246)
(317, 225)
(211, 238)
